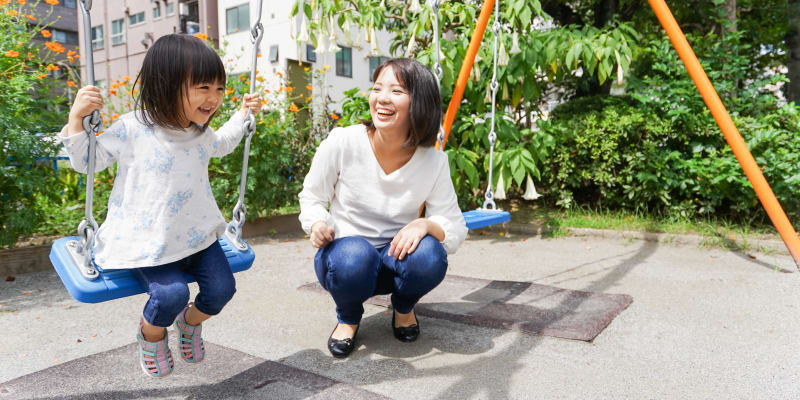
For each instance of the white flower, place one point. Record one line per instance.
(414, 7)
(373, 41)
(500, 193)
(303, 37)
(346, 31)
(502, 58)
(411, 44)
(515, 44)
(530, 190)
(333, 48)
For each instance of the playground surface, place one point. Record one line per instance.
(703, 323)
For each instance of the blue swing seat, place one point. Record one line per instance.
(481, 218)
(118, 283)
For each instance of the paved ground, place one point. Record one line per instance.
(703, 324)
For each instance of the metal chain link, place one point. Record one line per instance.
(488, 202)
(91, 125)
(437, 67)
(234, 227)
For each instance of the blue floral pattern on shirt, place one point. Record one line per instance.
(177, 201)
(196, 238)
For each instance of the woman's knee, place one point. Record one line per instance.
(428, 265)
(348, 264)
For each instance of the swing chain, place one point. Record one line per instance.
(91, 125)
(234, 228)
(488, 202)
(437, 67)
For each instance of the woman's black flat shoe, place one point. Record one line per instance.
(406, 333)
(341, 348)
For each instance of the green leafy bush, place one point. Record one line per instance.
(28, 101)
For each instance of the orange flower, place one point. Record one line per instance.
(71, 59)
(71, 84)
(115, 116)
(294, 108)
(264, 102)
(51, 2)
(12, 54)
(45, 33)
(309, 87)
(229, 92)
(71, 53)
(4, 2)
(30, 56)
(126, 78)
(52, 67)
(243, 77)
(258, 55)
(13, 13)
(279, 73)
(260, 79)
(234, 98)
(266, 91)
(22, 2)
(113, 92)
(201, 36)
(41, 76)
(30, 17)
(55, 47)
(289, 89)
(334, 116)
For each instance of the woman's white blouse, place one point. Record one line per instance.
(161, 208)
(365, 201)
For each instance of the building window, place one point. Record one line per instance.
(117, 31)
(69, 3)
(311, 55)
(136, 19)
(238, 19)
(273, 53)
(374, 62)
(170, 9)
(66, 37)
(157, 12)
(344, 62)
(97, 37)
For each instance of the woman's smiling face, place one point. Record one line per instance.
(389, 103)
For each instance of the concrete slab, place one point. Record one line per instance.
(706, 324)
(524, 306)
(227, 374)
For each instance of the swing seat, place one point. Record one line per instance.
(118, 283)
(481, 218)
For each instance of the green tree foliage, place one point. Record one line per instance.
(27, 118)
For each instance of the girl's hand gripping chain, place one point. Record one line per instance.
(251, 102)
(86, 101)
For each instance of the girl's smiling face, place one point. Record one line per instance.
(389, 103)
(201, 101)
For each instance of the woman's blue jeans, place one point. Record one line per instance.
(352, 270)
(169, 290)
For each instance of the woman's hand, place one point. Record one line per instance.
(87, 100)
(321, 234)
(251, 102)
(407, 239)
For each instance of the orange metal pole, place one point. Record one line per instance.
(732, 136)
(466, 67)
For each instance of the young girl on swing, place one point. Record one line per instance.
(162, 218)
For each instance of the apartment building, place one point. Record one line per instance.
(350, 67)
(123, 30)
(61, 23)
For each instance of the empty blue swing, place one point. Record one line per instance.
(72, 256)
(488, 214)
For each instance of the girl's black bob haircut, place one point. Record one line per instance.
(425, 108)
(174, 63)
